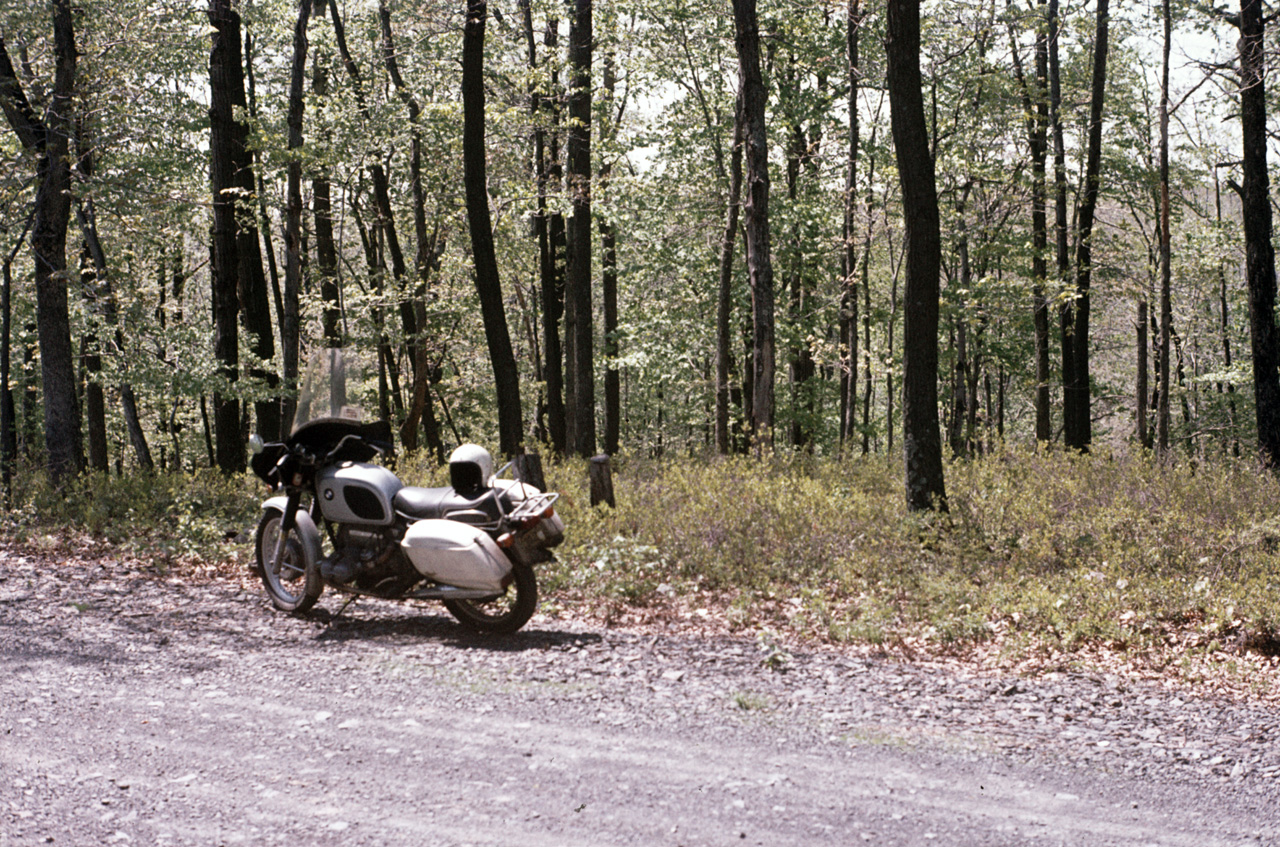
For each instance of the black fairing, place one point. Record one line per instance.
(264, 463)
(320, 437)
(323, 439)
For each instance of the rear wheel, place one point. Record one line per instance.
(288, 584)
(505, 613)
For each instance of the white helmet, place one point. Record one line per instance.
(470, 467)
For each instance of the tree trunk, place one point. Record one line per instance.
(756, 213)
(1077, 423)
(95, 402)
(921, 435)
(724, 296)
(849, 289)
(1260, 263)
(326, 267)
(254, 294)
(868, 381)
(1062, 255)
(1166, 274)
(1224, 327)
(8, 422)
(962, 400)
(425, 258)
(52, 212)
(488, 285)
(225, 135)
(290, 316)
(800, 368)
(578, 311)
(1141, 387)
(8, 417)
(609, 272)
(551, 246)
(263, 244)
(1035, 104)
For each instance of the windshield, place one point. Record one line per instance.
(329, 388)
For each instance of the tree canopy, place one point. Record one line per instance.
(605, 160)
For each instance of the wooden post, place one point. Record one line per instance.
(601, 476)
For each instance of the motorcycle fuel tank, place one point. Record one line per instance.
(456, 554)
(357, 493)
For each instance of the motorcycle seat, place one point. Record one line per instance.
(425, 503)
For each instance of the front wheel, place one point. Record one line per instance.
(288, 584)
(504, 614)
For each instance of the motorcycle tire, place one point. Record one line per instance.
(502, 615)
(289, 586)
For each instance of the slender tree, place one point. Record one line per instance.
(429, 246)
(293, 248)
(8, 423)
(48, 138)
(326, 265)
(100, 291)
(1166, 269)
(849, 288)
(488, 285)
(1077, 415)
(609, 265)
(581, 412)
(227, 136)
(254, 290)
(756, 214)
(921, 435)
(724, 296)
(1260, 262)
(549, 230)
(1035, 103)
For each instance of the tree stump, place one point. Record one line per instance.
(529, 470)
(601, 476)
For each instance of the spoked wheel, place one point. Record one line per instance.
(503, 614)
(287, 582)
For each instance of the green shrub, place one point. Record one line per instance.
(173, 516)
(1045, 551)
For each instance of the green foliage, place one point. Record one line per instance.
(1043, 553)
(167, 517)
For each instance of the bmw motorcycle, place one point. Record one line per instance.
(340, 520)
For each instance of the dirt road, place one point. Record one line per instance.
(136, 709)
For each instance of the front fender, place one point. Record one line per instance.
(308, 536)
(277, 503)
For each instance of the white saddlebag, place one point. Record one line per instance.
(456, 554)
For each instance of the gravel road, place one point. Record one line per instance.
(139, 709)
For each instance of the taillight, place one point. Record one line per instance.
(534, 520)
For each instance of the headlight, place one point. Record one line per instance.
(256, 444)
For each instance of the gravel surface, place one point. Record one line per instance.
(146, 709)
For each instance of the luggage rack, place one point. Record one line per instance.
(534, 506)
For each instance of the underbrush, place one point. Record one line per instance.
(167, 518)
(1045, 559)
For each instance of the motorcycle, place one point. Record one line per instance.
(339, 520)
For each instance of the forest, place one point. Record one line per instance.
(664, 227)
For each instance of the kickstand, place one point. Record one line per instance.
(338, 614)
